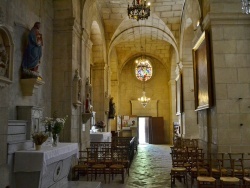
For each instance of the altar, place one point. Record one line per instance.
(48, 167)
(100, 137)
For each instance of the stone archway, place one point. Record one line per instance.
(99, 73)
(188, 119)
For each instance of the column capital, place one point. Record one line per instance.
(225, 19)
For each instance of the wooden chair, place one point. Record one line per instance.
(98, 166)
(81, 167)
(246, 172)
(204, 174)
(228, 179)
(237, 168)
(196, 159)
(117, 166)
(178, 169)
(215, 166)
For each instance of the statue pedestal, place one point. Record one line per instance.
(28, 85)
(86, 117)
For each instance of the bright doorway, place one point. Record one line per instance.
(142, 124)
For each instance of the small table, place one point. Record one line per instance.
(44, 168)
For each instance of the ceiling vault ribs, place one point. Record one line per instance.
(143, 26)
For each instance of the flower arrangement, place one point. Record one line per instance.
(54, 125)
(100, 124)
(39, 138)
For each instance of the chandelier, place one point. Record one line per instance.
(143, 99)
(140, 10)
(245, 6)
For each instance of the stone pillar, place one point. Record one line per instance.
(173, 117)
(189, 116)
(66, 59)
(99, 92)
(115, 95)
(230, 42)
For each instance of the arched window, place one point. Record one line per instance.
(143, 69)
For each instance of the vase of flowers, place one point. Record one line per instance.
(100, 125)
(54, 126)
(39, 138)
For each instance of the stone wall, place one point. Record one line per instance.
(229, 38)
(19, 17)
(231, 44)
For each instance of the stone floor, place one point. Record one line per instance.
(150, 169)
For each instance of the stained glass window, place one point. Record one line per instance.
(143, 69)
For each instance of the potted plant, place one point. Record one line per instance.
(39, 138)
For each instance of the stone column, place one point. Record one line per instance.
(189, 116)
(99, 78)
(173, 117)
(230, 42)
(66, 59)
(115, 95)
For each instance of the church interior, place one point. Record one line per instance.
(164, 71)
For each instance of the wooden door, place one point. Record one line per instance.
(156, 131)
(147, 128)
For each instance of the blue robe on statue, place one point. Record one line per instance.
(33, 52)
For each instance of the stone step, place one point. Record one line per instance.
(81, 184)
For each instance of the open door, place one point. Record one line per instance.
(144, 130)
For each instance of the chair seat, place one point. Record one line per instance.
(187, 165)
(214, 170)
(230, 179)
(206, 179)
(200, 170)
(217, 170)
(247, 179)
(178, 169)
(91, 161)
(96, 166)
(80, 167)
(116, 166)
(241, 171)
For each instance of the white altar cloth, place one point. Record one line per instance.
(100, 137)
(32, 160)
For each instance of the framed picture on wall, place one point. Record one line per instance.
(202, 73)
(179, 94)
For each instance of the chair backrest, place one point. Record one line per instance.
(204, 167)
(120, 155)
(236, 155)
(179, 158)
(92, 154)
(245, 167)
(82, 157)
(100, 145)
(195, 155)
(225, 164)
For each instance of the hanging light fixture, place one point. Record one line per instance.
(140, 10)
(143, 99)
(245, 6)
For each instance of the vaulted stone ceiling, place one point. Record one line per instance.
(153, 36)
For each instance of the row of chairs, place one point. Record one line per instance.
(106, 158)
(231, 172)
(231, 169)
(106, 161)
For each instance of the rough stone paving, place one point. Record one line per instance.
(150, 169)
